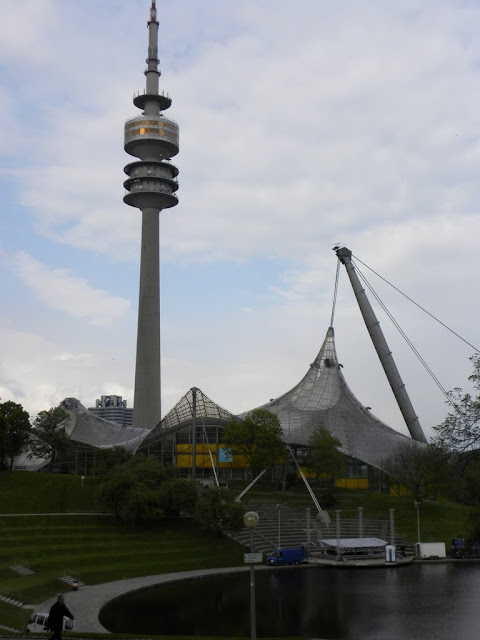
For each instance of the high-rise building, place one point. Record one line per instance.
(114, 409)
(151, 186)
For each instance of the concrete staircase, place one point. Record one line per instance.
(21, 569)
(290, 525)
(71, 579)
(293, 527)
(13, 600)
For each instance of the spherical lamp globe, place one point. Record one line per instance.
(251, 519)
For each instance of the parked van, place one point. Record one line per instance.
(288, 556)
(38, 622)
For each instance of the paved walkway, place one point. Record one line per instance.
(85, 604)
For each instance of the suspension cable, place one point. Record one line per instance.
(447, 394)
(402, 333)
(335, 293)
(419, 306)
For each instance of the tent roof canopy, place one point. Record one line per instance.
(353, 543)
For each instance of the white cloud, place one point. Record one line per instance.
(345, 121)
(64, 357)
(61, 290)
(32, 376)
(287, 133)
(35, 20)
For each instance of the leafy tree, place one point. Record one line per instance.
(108, 459)
(465, 478)
(15, 431)
(177, 496)
(424, 470)
(216, 511)
(135, 502)
(324, 458)
(460, 431)
(473, 523)
(259, 437)
(132, 490)
(468, 478)
(51, 439)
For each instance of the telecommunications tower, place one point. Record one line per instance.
(151, 187)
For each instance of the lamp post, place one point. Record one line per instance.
(417, 506)
(308, 527)
(337, 532)
(251, 520)
(360, 522)
(279, 525)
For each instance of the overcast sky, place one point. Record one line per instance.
(301, 125)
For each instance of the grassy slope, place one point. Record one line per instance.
(96, 547)
(99, 549)
(24, 492)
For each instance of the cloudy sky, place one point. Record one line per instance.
(302, 125)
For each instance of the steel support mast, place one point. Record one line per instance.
(382, 349)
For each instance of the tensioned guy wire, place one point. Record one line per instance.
(419, 306)
(447, 394)
(335, 293)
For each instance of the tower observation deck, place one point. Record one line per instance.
(151, 186)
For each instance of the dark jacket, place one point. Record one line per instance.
(55, 616)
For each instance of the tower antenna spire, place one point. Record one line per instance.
(152, 71)
(151, 187)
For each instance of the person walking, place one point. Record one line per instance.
(55, 617)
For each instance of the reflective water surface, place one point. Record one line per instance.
(431, 602)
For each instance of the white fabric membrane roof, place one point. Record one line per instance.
(321, 398)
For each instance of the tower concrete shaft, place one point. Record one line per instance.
(151, 187)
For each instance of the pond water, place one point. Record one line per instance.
(421, 601)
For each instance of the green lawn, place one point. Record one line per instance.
(439, 521)
(99, 549)
(25, 492)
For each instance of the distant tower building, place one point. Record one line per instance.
(151, 185)
(113, 408)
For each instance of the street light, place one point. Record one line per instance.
(279, 525)
(417, 506)
(251, 520)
